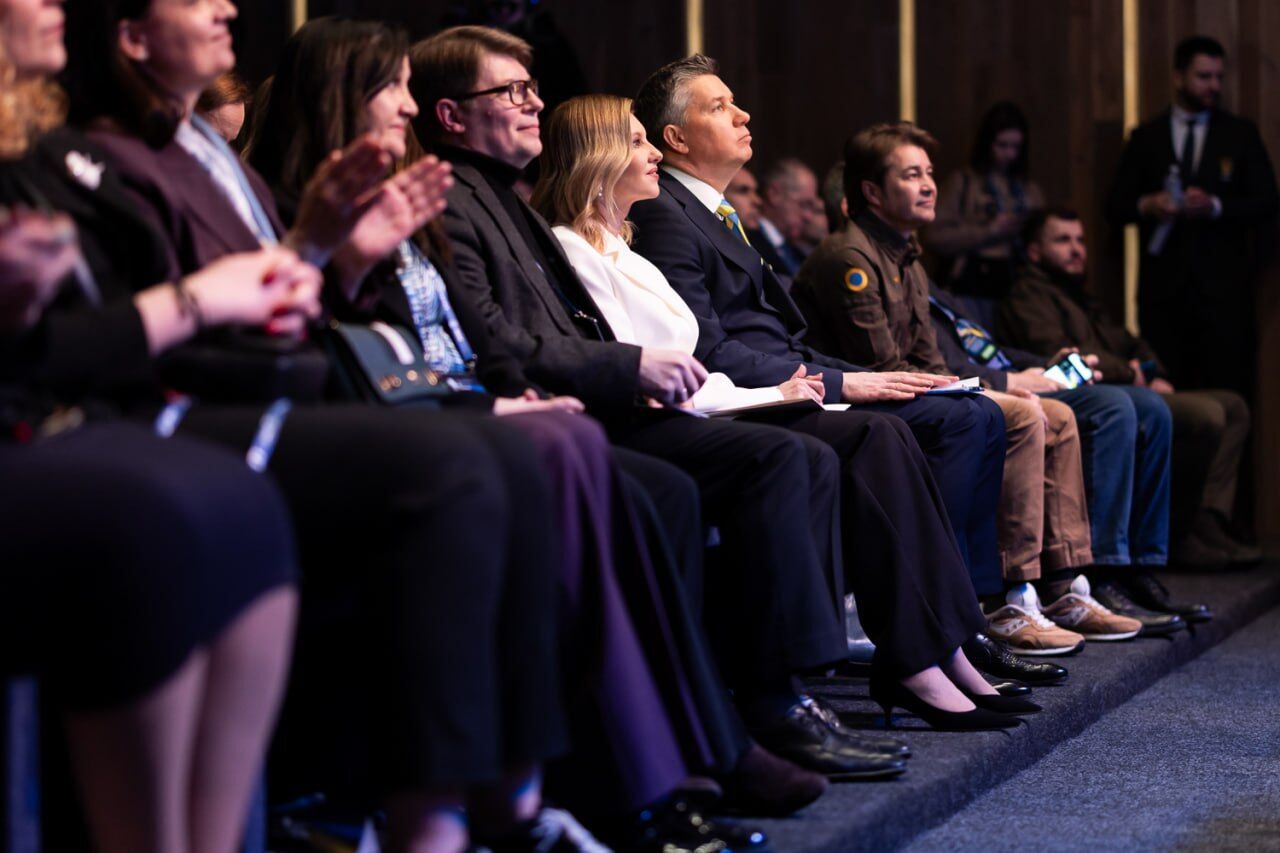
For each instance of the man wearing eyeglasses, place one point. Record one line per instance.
(774, 603)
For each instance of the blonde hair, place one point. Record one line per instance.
(28, 109)
(585, 152)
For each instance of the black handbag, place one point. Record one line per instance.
(244, 366)
(383, 364)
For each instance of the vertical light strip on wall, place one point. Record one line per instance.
(299, 13)
(693, 26)
(1131, 244)
(907, 60)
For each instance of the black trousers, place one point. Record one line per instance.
(771, 606)
(901, 559)
(441, 550)
(124, 553)
(963, 439)
(667, 609)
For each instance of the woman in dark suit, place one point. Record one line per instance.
(147, 582)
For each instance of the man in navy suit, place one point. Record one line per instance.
(750, 329)
(1195, 293)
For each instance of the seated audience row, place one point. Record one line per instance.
(603, 380)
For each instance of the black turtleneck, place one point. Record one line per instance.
(501, 178)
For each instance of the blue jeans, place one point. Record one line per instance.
(1125, 436)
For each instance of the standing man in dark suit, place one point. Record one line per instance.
(1196, 290)
(772, 494)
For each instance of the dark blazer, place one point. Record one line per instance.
(748, 327)
(91, 343)
(1233, 166)
(497, 272)
(953, 351)
(174, 190)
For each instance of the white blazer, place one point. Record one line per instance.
(643, 309)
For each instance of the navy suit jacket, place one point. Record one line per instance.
(748, 327)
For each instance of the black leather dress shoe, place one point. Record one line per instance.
(891, 746)
(1148, 592)
(804, 738)
(994, 658)
(1154, 624)
(1012, 688)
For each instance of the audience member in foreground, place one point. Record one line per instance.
(148, 581)
(340, 78)
(435, 525)
(594, 141)
(866, 297)
(1049, 308)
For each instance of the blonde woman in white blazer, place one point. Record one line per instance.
(913, 589)
(634, 296)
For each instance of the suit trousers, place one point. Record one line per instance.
(963, 439)
(624, 752)
(772, 606)
(668, 514)
(901, 558)
(1043, 522)
(1125, 432)
(442, 553)
(1210, 431)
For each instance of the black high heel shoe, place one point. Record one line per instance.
(1003, 704)
(889, 694)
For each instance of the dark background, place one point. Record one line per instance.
(811, 72)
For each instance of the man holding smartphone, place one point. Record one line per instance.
(1049, 308)
(1125, 434)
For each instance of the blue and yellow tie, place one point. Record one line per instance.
(731, 220)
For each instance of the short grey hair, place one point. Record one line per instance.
(664, 97)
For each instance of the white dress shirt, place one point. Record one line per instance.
(702, 191)
(643, 309)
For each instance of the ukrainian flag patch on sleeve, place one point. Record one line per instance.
(856, 280)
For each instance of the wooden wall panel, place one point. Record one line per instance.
(810, 73)
(1061, 62)
(618, 45)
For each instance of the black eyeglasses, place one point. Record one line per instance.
(517, 90)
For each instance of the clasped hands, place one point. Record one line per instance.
(1196, 204)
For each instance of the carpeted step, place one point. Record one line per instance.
(949, 769)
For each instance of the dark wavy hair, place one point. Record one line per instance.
(1002, 116)
(329, 70)
(102, 84)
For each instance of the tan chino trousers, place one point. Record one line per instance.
(1043, 521)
